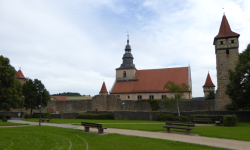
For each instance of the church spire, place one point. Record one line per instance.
(209, 82)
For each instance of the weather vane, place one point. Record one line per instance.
(223, 11)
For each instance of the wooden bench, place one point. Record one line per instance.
(179, 125)
(4, 119)
(202, 120)
(47, 119)
(88, 125)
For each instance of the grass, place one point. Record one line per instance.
(240, 132)
(44, 137)
(10, 124)
(92, 121)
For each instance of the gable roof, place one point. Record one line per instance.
(152, 81)
(19, 75)
(61, 98)
(103, 89)
(208, 82)
(225, 30)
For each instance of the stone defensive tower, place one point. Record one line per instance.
(20, 77)
(208, 86)
(226, 50)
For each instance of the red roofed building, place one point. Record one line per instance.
(60, 99)
(208, 86)
(103, 90)
(133, 84)
(19, 75)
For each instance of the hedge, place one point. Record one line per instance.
(213, 117)
(94, 116)
(230, 120)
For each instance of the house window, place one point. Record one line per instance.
(151, 96)
(227, 51)
(221, 42)
(163, 96)
(124, 74)
(139, 97)
(232, 41)
(128, 97)
(118, 96)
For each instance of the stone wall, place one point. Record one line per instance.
(76, 106)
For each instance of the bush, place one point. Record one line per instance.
(94, 116)
(27, 116)
(230, 120)
(213, 117)
(1, 117)
(46, 114)
(154, 104)
(35, 116)
(8, 117)
(170, 117)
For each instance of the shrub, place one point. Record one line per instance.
(170, 117)
(35, 116)
(46, 114)
(213, 117)
(230, 120)
(94, 116)
(8, 117)
(154, 104)
(1, 117)
(27, 116)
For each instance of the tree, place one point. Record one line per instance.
(211, 95)
(238, 88)
(32, 93)
(11, 95)
(178, 91)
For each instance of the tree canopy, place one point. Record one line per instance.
(32, 93)
(238, 88)
(67, 94)
(178, 91)
(211, 95)
(11, 95)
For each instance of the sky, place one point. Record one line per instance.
(73, 46)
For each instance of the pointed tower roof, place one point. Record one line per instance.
(19, 74)
(225, 30)
(209, 82)
(103, 89)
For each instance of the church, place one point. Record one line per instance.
(133, 84)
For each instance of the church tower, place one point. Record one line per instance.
(208, 86)
(127, 70)
(226, 50)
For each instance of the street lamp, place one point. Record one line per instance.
(41, 91)
(123, 105)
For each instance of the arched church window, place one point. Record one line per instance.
(124, 74)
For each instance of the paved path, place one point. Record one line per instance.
(215, 142)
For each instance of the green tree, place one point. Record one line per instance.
(178, 91)
(238, 88)
(211, 95)
(32, 93)
(11, 95)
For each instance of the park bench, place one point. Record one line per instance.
(47, 119)
(179, 125)
(88, 125)
(218, 122)
(202, 120)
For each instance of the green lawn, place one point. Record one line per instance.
(44, 137)
(240, 132)
(10, 124)
(92, 121)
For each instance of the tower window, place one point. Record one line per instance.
(232, 41)
(151, 96)
(124, 74)
(139, 97)
(221, 42)
(227, 51)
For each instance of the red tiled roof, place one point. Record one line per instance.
(152, 81)
(61, 98)
(20, 75)
(103, 89)
(225, 30)
(208, 82)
